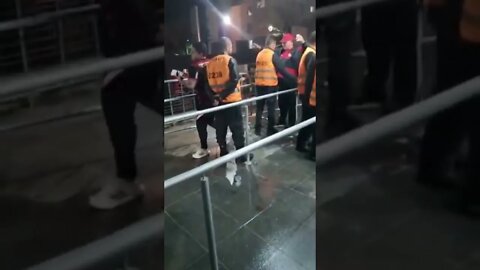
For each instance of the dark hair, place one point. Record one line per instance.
(269, 40)
(313, 37)
(220, 46)
(201, 48)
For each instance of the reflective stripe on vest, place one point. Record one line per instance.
(470, 23)
(219, 74)
(302, 71)
(265, 73)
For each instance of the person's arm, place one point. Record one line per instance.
(231, 85)
(280, 68)
(191, 81)
(202, 85)
(310, 67)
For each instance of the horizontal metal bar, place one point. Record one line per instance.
(24, 83)
(178, 98)
(238, 153)
(180, 117)
(335, 9)
(106, 248)
(391, 124)
(44, 18)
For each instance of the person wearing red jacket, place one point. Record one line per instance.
(291, 57)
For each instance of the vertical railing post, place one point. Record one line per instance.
(419, 94)
(21, 35)
(170, 96)
(182, 95)
(297, 118)
(207, 208)
(96, 36)
(61, 42)
(247, 132)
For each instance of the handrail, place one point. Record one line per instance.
(395, 122)
(25, 82)
(101, 250)
(191, 95)
(44, 17)
(335, 9)
(238, 153)
(180, 117)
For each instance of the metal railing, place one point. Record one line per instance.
(139, 231)
(45, 17)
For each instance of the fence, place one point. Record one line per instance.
(110, 246)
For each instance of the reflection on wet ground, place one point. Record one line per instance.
(267, 222)
(46, 174)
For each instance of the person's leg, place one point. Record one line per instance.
(260, 105)
(442, 137)
(235, 123)
(271, 105)
(119, 112)
(221, 129)
(405, 54)
(147, 89)
(119, 107)
(376, 39)
(291, 111)
(303, 134)
(339, 35)
(282, 105)
(202, 124)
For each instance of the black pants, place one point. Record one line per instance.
(389, 33)
(202, 123)
(270, 102)
(303, 135)
(339, 33)
(229, 118)
(119, 99)
(309, 131)
(287, 105)
(445, 130)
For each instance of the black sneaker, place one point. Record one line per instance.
(258, 132)
(243, 159)
(271, 131)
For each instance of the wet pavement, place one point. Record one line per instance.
(46, 175)
(268, 222)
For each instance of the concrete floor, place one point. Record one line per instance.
(47, 173)
(266, 223)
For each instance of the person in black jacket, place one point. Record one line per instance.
(126, 27)
(204, 97)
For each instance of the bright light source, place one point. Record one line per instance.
(226, 20)
(312, 9)
(270, 28)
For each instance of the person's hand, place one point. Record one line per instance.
(299, 38)
(215, 103)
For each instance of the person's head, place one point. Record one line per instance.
(313, 38)
(287, 41)
(270, 42)
(226, 45)
(199, 51)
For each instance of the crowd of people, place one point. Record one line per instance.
(216, 81)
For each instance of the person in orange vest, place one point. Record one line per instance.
(223, 79)
(266, 82)
(307, 82)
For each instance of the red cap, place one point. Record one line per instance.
(287, 37)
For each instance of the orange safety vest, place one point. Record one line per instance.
(219, 74)
(265, 72)
(302, 71)
(470, 22)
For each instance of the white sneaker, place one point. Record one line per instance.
(115, 193)
(201, 153)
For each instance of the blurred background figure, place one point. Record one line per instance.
(126, 27)
(339, 31)
(389, 34)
